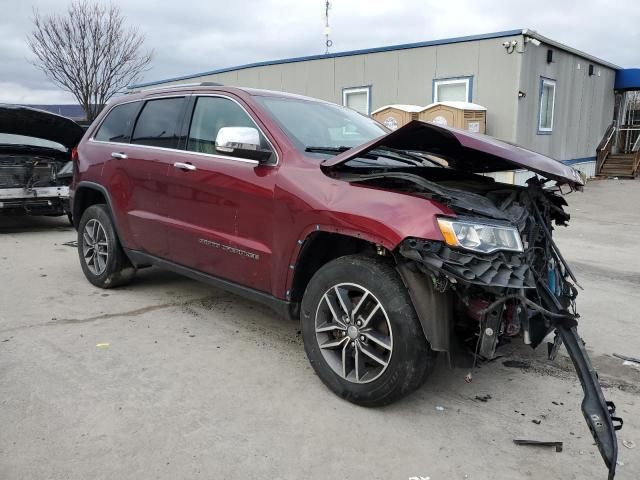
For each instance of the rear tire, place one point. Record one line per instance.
(361, 332)
(103, 261)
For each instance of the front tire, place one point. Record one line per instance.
(361, 332)
(103, 261)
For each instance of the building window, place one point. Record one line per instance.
(452, 89)
(547, 102)
(357, 98)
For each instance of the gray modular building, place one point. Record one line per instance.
(538, 93)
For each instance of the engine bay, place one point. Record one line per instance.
(27, 171)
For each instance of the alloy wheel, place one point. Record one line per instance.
(95, 248)
(353, 333)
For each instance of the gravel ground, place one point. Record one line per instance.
(168, 378)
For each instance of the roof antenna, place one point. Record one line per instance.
(327, 29)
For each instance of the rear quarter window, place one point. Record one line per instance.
(116, 127)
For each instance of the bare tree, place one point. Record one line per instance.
(89, 51)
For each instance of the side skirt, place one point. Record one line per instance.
(281, 307)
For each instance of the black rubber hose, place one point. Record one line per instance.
(528, 302)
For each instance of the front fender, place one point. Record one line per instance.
(379, 216)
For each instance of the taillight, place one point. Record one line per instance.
(74, 161)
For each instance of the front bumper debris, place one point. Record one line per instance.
(429, 268)
(499, 269)
(598, 413)
(7, 194)
(34, 201)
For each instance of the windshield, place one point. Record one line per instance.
(318, 124)
(11, 139)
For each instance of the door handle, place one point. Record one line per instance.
(119, 155)
(185, 166)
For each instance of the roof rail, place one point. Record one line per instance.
(180, 85)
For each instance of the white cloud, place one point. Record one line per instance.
(16, 93)
(200, 36)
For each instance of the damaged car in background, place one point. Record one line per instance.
(35, 161)
(389, 247)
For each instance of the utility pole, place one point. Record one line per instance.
(327, 29)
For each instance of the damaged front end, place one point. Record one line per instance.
(35, 161)
(498, 274)
(33, 183)
(529, 294)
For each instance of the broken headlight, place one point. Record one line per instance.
(479, 237)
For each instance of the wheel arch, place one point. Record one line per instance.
(87, 194)
(434, 309)
(317, 249)
(90, 193)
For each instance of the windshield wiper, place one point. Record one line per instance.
(391, 155)
(327, 149)
(401, 156)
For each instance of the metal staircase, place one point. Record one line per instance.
(618, 154)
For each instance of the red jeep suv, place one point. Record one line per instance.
(389, 247)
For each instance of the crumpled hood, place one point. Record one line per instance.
(19, 120)
(465, 151)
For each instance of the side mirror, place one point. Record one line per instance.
(242, 142)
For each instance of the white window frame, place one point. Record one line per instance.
(543, 83)
(347, 91)
(450, 81)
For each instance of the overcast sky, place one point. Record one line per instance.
(191, 36)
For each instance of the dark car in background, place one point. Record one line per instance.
(35, 161)
(388, 247)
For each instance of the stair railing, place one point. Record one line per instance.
(604, 148)
(636, 157)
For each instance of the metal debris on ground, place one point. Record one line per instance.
(536, 421)
(629, 443)
(483, 398)
(468, 378)
(440, 408)
(103, 345)
(538, 443)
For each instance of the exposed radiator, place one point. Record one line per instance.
(21, 172)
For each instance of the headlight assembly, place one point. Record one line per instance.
(479, 237)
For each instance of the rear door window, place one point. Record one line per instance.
(159, 123)
(116, 127)
(209, 116)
